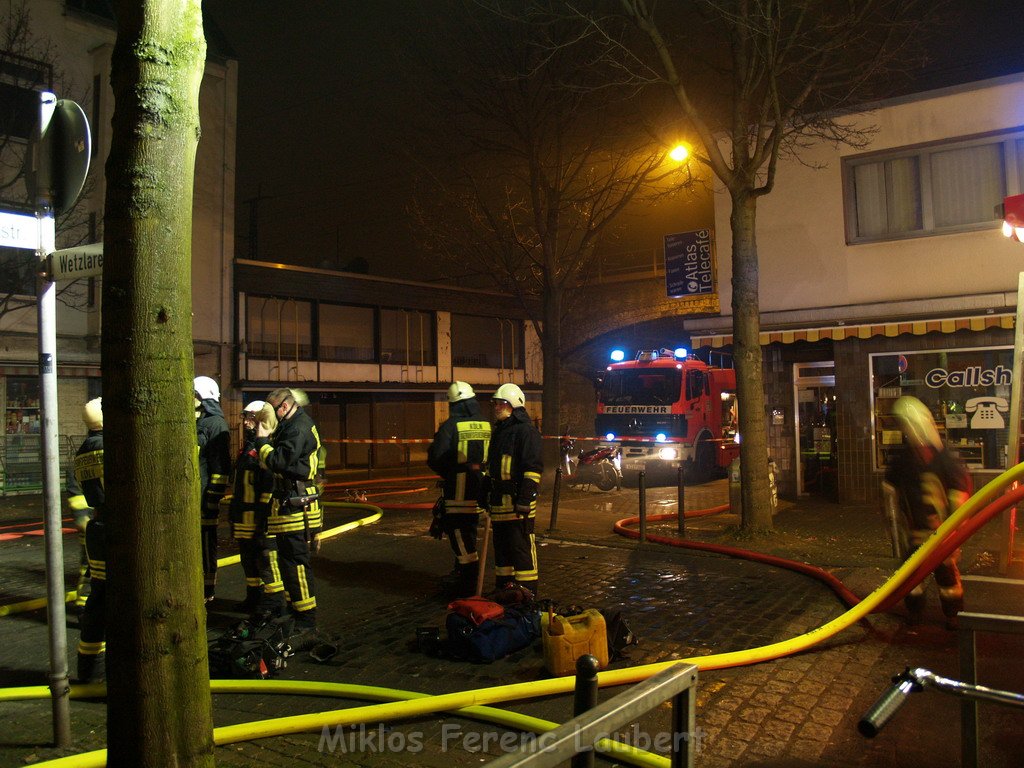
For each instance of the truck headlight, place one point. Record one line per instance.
(668, 453)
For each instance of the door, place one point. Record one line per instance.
(816, 440)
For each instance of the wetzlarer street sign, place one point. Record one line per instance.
(73, 263)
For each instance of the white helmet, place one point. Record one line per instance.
(206, 388)
(916, 422)
(254, 407)
(512, 394)
(92, 414)
(460, 390)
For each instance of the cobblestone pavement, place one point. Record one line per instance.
(377, 584)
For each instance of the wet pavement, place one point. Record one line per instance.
(378, 583)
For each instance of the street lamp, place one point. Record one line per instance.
(680, 153)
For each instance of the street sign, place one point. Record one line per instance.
(73, 263)
(19, 230)
(59, 154)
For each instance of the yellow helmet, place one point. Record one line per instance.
(460, 390)
(92, 414)
(511, 394)
(916, 423)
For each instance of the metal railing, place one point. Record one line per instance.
(678, 683)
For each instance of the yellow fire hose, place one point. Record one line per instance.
(40, 602)
(449, 702)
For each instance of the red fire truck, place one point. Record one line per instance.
(664, 408)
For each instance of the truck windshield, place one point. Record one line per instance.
(650, 386)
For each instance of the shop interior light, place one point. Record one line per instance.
(618, 355)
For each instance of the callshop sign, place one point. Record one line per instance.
(974, 376)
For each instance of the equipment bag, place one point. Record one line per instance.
(477, 609)
(248, 652)
(493, 638)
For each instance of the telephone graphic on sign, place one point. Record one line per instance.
(987, 412)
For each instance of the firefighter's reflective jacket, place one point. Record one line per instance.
(214, 440)
(250, 499)
(459, 455)
(514, 467)
(89, 477)
(292, 453)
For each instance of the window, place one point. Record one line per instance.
(21, 80)
(968, 392)
(279, 328)
(939, 188)
(407, 337)
(346, 334)
(486, 342)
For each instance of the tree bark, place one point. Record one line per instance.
(747, 357)
(551, 342)
(158, 703)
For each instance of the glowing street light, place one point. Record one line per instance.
(679, 153)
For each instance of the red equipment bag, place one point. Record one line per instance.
(477, 609)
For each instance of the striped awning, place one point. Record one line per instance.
(866, 331)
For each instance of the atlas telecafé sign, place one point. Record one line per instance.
(690, 270)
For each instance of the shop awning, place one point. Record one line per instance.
(865, 331)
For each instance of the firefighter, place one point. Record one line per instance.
(514, 468)
(82, 513)
(292, 452)
(89, 478)
(930, 482)
(248, 514)
(214, 442)
(459, 455)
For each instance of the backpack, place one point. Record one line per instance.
(250, 652)
(492, 638)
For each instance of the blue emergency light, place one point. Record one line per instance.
(618, 355)
(681, 353)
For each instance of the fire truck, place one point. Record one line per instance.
(665, 408)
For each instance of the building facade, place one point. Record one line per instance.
(82, 34)
(883, 272)
(376, 355)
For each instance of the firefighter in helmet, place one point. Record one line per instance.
(291, 452)
(929, 483)
(214, 442)
(459, 455)
(514, 467)
(250, 508)
(88, 471)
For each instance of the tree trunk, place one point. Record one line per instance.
(551, 341)
(746, 341)
(158, 703)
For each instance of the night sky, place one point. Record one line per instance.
(321, 117)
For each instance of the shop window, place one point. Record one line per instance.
(486, 342)
(967, 391)
(407, 337)
(22, 470)
(279, 328)
(346, 334)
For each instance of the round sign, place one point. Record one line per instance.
(60, 159)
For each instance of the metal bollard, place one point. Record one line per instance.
(584, 700)
(681, 501)
(556, 493)
(642, 489)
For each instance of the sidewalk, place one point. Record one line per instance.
(377, 585)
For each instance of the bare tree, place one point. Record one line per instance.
(158, 705)
(30, 63)
(753, 79)
(538, 161)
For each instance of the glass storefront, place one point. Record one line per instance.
(968, 392)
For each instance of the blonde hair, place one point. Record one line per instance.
(267, 417)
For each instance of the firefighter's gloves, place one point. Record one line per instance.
(522, 510)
